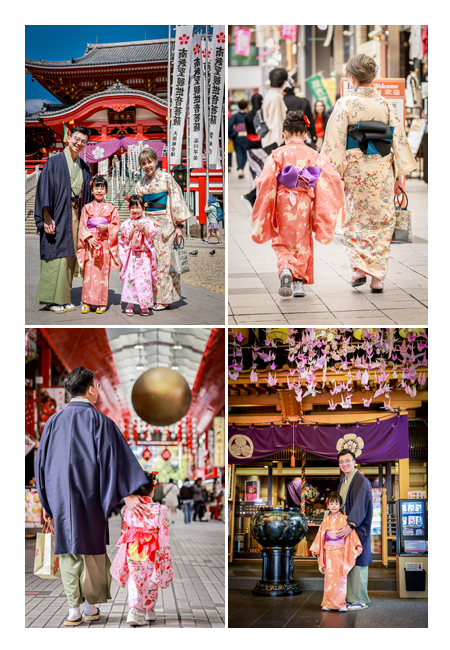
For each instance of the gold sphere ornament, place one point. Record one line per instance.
(161, 396)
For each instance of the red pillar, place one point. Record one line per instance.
(201, 199)
(46, 365)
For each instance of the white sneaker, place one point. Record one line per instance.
(150, 615)
(285, 283)
(326, 609)
(70, 307)
(298, 290)
(135, 617)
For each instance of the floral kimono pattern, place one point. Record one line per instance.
(289, 217)
(96, 270)
(138, 265)
(368, 180)
(144, 560)
(167, 288)
(335, 559)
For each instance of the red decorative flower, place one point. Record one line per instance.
(220, 37)
(197, 49)
(306, 121)
(184, 39)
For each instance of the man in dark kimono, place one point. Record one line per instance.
(63, 189)
(356, 493)
(83, 468)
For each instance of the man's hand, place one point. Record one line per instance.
(344, 531)
(135, 504)
(46, 515)
(49, 224)
(178, 232)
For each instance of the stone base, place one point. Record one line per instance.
(277, 590)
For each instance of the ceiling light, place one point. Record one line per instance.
(138, 347)
(175, 368)
(139, 367)
(177, 347)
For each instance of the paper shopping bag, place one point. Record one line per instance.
(46, 563)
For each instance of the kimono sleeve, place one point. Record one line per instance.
(361, 506)
(124, 247)
(113, 242)
(120, 472)
(45, 195)
(83, 236)
(328, 200)
(404, 161)
(352, 542)
(163, 569)
(178, 208)
(39, 469)
(264, 210)
(335, 140)
(318, 546)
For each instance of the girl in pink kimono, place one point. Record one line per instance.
(299, 193)
(336, 555)
(137, 258)
(97, 252)
(144, 560)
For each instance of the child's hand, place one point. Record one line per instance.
(313, 553)
(359, 550)
(102, 228)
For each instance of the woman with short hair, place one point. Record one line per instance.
(366, 143)
(168, 211)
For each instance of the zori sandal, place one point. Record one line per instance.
(85, 308)
(129, 310)
(101, 309)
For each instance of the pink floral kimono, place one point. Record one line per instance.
(290, 215)
(336, 555)
(144, 559)
(137, 263)
(96, 265)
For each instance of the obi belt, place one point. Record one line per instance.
(142, 543)
(155, 202)
(371, 137)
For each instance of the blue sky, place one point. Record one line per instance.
(62, 42)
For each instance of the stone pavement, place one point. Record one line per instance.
(386, 610)
(195, 598)
(253, 279)
(197, 306)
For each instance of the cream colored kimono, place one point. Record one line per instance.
(167, 288)
(369, 180)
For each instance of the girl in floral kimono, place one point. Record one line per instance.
(144, 560)
(371, 165)
(336, 555)
(137, 258)
(168, 210)
(97, 252)
(299, 193)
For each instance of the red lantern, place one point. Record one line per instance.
(147, 454)
(165, 455)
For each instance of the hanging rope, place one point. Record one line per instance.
(293, 446)
(303, 489)
(307, 422)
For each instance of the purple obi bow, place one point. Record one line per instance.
(93, 222)
(291, 176)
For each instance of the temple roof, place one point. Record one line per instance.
(113, 53)
(116, 89)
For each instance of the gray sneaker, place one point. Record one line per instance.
(285, 283)
(298, 290)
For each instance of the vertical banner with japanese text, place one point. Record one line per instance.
(216, 89)
(196, 106)
(180, 84)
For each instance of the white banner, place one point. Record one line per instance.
(181, 68)
(216, 89)
(196, 106)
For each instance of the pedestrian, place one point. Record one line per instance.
(274, 110)
(144, 560)
(186, 500)
(83, 468)
(321, 120)
(356, 493)
(62, 190)
(98, 247)
(299, 193)
(199, 500)
(237, 132)
(158, 494)
(295, 103)
(137, 254)
(371, 167)
(256, 156)
(214, 215)
(164, 200)
(170, 499)
(336, 555)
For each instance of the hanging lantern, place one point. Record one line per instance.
(161, 396)
(147, 454)
(278, 335)
(165, 454)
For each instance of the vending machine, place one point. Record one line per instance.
(412, 547)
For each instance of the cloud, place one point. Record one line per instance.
(33, 105)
